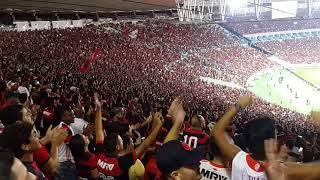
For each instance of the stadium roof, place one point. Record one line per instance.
(86, 5)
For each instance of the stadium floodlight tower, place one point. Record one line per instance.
(200, 10)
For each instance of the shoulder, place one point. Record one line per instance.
(132, 155)
(41, 156)
(127, 160)
(187, 130)
(89, 160)
(239, 158)
(206, 135)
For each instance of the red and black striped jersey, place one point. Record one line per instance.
(195, 138)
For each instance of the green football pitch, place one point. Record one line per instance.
(309, 74)
(286, 89)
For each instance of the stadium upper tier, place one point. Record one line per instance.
(255, 27)
(295, 51)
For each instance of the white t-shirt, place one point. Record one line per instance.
(244, 167)
(78, 125)
(64, 152)
(211, 171)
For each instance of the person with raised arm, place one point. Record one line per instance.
(177, 113)
(195, 135)
(108, 148)
(177, 160)
(245, 165)
(216, 168)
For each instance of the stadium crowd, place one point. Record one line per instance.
(295, 51)
(254, 27)
(99, 103)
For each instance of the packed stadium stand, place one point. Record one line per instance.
(141, 95)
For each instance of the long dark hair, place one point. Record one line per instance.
(15, 135)
(258, 130)
(77, 146)
(11, 114)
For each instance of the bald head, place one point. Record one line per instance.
(198, 121)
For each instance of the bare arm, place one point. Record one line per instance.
(149, 140)
(58, 137)
(219, 131)
(177, 113)
(98, 121)
(302, 171)
(147, 121)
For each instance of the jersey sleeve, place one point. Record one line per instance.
(237, 159)
(41, 156)
(126, 161)
(237, 164)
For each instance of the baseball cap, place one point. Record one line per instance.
(175, 154)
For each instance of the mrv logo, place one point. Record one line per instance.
(212, 175)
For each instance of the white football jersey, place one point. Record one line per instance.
(211, 171)
(244, 167)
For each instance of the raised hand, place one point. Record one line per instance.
(88, 130)
(97, 102)
(245, 101)
(158, 118)
(315, 117)
(175, 106)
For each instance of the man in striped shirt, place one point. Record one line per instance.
(194, 136)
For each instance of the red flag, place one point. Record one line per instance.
(87, 64)
(125, 31)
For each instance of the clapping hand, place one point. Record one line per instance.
(176, 109)
(58, 136)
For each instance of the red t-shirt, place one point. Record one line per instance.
(48, 115)
(41, 156)
(152, 172)
(195, 138)
(114, 167)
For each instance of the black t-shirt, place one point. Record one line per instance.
(114, 167)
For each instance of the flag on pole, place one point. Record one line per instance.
(87, 64)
